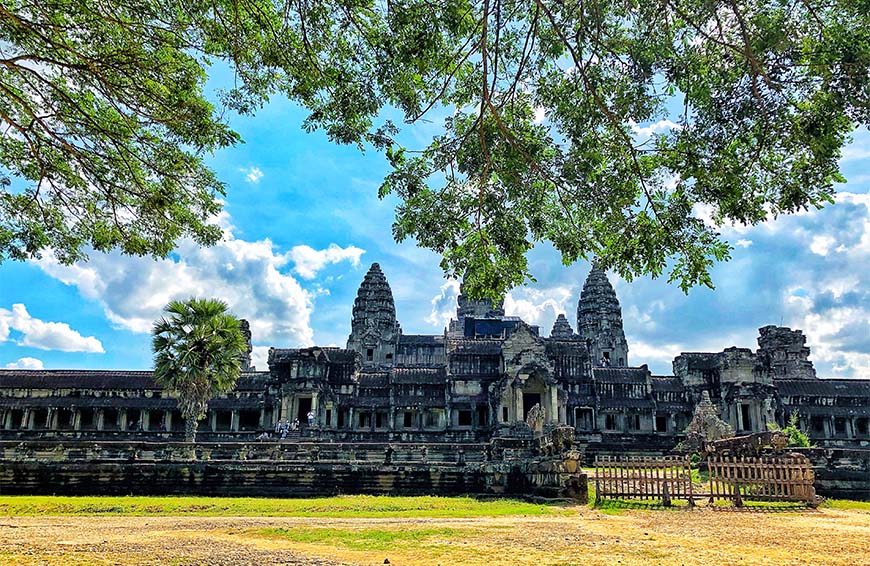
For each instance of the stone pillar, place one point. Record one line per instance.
(77, 419)
(51, 418)
(554, 404)
(3, 418)
(234, 421)
(850, 427)
(518, 404)
(98, 419)
(146, 419)
(167, 420)
(212, 420)
(26, 420)
(122, 415)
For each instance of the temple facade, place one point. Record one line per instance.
(477, 380)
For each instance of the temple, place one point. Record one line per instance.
(478, 380)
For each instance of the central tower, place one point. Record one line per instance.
(599, 321)
(374, 331)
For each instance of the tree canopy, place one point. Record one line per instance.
(538, 101)
(198, 350)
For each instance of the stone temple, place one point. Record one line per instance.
(476, 381)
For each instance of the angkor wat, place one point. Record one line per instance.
(476, 381)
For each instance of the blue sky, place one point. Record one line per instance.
(303, 224)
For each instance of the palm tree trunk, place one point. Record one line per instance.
(190, 426)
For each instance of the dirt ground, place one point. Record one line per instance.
(587, 537)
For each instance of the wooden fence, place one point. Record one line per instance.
(663, 478)
(787, 478)
(735, 479)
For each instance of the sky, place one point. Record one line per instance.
(303, 223)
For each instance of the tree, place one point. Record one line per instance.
(198, 353)
(539, 102)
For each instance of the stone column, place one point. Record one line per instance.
(212, 420)
(122, 415)
(146, 419)
(167, 421)
(26, 420)
(554, 403)
(51, 418)
(518, 404)
(234, 421)
(77, 419)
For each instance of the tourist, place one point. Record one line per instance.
(295, 425)
(310, 418)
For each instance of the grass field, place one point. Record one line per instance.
(424, 531)
(361, 506)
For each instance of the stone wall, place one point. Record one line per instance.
(841, 472)
(546, 466)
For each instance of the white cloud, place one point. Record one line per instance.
(742, 243)
(309, 261)
(821, 245)
(540, 115)
(25, 363)
(254, 174)
(260, 357)
(248, 276)
(444, 304)
(658, 127)
(541, 306)
(855, 152)
(45, 335)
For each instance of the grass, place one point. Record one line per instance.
(365, 538)
(360, 506)
(847, 504)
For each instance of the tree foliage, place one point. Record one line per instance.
(198, 353)
(797, 438)
(537, 103)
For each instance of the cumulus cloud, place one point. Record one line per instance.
(656, 128)
(254, 174)
(821, 245)
(36, 333)
(444, 304)
(250, 277)
(25, 363)
(542, 306)
(309, 261)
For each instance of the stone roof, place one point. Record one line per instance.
(667, 384)
(620, 375)
(422, 339)
(102, 379)
(421, 375)
(823, 387)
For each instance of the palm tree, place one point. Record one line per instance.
(198, 350)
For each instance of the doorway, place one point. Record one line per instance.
(529, 401)
(304, 409)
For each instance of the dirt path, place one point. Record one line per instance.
(586, 537)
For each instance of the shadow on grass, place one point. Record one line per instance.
(617, 505)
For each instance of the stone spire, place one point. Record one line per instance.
(562, 329)
(374, 331)
(599, 321)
